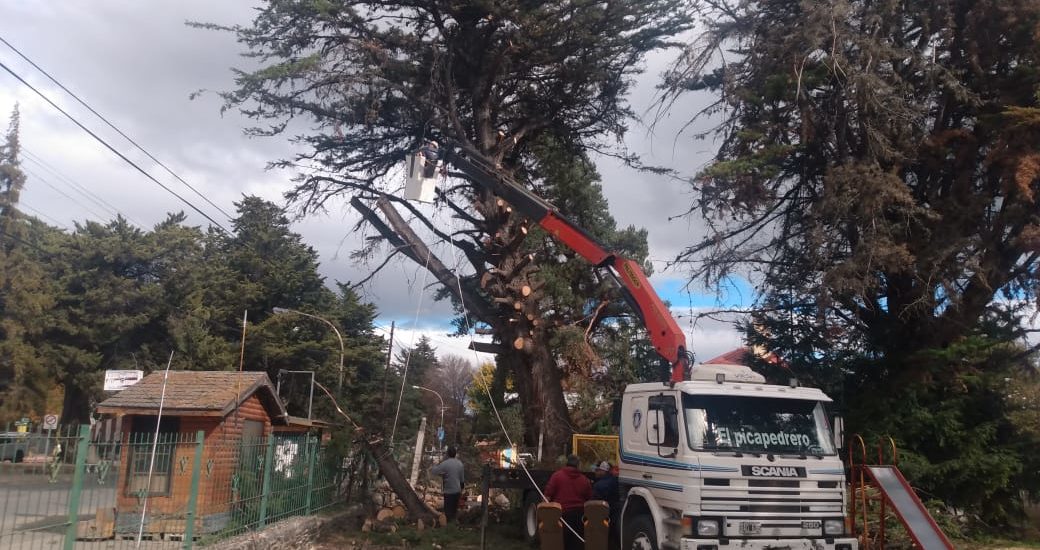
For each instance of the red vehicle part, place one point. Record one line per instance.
(667, 338)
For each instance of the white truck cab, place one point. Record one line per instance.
(725, 460)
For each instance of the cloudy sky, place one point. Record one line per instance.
(137, 63)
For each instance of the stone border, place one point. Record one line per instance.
(288, 534)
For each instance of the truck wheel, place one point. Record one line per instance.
(639, 534)
(531, 501)
(18, 457)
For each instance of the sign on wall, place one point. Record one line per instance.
(117, 380)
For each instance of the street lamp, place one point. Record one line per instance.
(442, 405)
(342, 350)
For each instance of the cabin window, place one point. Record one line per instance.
(142, 441)
(666, 420)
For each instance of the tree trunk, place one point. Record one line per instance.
(75, 406)
(393, 475)
(548, 389)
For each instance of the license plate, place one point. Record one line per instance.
(811, 524)
(750, 527)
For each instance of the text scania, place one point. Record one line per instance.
(775, 471)
(747, 439)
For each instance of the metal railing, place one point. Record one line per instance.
(72, 491)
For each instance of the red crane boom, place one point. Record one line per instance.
(665, 335)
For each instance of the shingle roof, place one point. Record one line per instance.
(196, 391)
(738, 356)
(742, 356)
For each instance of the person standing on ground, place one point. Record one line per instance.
(569, 487)
(453, 478)
(606, 488)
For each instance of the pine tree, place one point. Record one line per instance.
(376, 78)
(24, 293)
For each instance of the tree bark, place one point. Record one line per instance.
(393, 475)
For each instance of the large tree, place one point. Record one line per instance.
(877, 160)
(25, 292)
(373, 79)
(878, 176)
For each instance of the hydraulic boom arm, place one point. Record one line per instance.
(665, 335)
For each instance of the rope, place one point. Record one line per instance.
(408, 356)
(483, 383)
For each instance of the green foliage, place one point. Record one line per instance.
(958, 437)
(879, 173)
(113, 296)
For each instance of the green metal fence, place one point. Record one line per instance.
(70, 491)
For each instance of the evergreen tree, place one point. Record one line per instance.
(878, 172)
(376, 78)
(24, 293)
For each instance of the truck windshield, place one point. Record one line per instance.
(756, 424)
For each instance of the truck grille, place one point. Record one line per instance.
(778, 508)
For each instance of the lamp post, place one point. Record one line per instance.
(342, 350)
(442, 405)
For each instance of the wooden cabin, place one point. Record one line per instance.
(237, 411)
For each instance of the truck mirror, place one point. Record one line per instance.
(838, 432)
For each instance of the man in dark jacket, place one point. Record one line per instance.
(606, 488)
(570, 488)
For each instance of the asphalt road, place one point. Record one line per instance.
(34, 510)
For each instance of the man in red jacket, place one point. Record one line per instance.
(571, 488)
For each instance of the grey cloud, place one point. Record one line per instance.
(137, 63)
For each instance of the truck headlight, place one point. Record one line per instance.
(834, 527)
(707, 527)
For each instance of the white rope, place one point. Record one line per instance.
(483, 383)
(411, 347)
(155, 445)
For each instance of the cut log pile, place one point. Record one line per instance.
(390, 513)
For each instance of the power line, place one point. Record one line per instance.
(100, 217)
(114, 150)
(22, 204)
(113, 126)
(81, 189)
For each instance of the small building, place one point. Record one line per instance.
(236, 411)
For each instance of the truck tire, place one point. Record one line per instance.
(18, 457)
(530, 520)
(639, 533)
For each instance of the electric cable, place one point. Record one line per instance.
(408, 357)
(46, 182)
(80, 188)
(113, 149)
(484, 384)
(22, 204)
(113, 126)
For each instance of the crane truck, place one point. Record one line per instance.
(714, 457)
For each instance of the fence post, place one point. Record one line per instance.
(312, 450)
(193, 499)
(268, 467)
(77, 486)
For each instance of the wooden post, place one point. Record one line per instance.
(550, 526)
(597, 524)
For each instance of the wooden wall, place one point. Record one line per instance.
(223, 454)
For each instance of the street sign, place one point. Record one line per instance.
(50, 422)
(118, 380)
(440, 434)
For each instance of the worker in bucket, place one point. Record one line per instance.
(430, 153)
